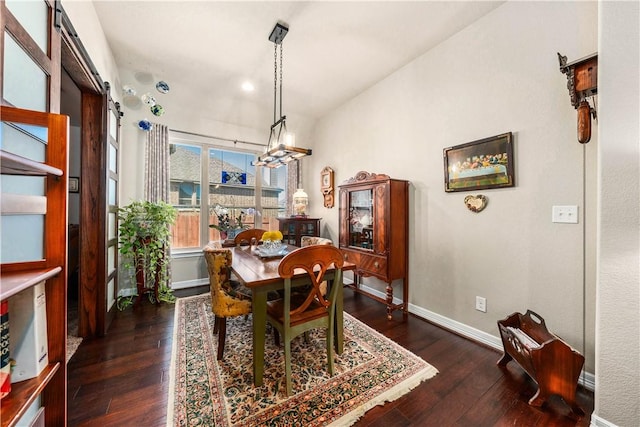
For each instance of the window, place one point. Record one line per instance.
(232, 185)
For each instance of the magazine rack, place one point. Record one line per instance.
(548, 360)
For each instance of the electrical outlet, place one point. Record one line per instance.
(481, 304)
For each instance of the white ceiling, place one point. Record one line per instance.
(333, 51)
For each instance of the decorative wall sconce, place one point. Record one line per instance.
(582, 82)
(326, 186)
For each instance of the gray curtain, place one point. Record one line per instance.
(156, 174)
(156, 164)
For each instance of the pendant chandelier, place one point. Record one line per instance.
(281, 148)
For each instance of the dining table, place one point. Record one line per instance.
(260, 274)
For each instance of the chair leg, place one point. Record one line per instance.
(330, 349)
(276, 337)
(216, 324)
(287, 364)
(222, 335)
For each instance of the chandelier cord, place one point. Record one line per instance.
(275, 80)
(281, 50)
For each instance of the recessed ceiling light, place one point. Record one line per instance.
(248, 87)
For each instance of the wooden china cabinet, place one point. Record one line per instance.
(374, 227)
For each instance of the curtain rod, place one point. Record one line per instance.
(217, 137)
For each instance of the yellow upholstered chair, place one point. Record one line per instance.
(227, 299)
(245, 236)
(296, 312)
(313, 240)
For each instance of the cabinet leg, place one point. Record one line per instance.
(389, 301)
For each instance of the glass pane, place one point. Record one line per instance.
(34, 17)
(113, 159)
(184, 194)
(111, 259)
(113, 188)
(185, 232)
(22, 238)
(231, 167)
(232, 196)
(29, 185)
(361, 218)
(112, 226)
(25, 84)
(27, 141)
(110, 293)
(113, 125)
(24, 140)
(274, 195)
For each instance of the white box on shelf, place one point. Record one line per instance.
(28, 333)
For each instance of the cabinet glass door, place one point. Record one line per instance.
(289, 233)
(361, 217)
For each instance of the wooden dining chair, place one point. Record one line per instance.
(245, 236)
(228, 299)
(297, 313)
(313, 240)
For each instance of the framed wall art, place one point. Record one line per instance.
(478, 165)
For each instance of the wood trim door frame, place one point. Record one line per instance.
(93, 317)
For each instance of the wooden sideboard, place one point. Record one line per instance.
(374, 233)
(294, 228)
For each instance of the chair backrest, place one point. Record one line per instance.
(218, 264)
(315, 260)
(245, 236)
(312, 240)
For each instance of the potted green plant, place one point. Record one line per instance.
(144, 233)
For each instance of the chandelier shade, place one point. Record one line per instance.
(281, 148)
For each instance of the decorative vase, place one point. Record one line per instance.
(300, 203)
(232, 233)
(271, 246)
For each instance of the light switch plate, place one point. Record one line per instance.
(564, 214)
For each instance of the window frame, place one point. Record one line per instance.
(205, 144)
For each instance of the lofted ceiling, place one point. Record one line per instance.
(334, 50)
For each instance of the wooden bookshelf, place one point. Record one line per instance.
(15, 281)
(23, 394)
(51, 384)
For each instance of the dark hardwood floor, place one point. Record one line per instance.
(122, 379)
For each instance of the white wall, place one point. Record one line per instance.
(85, 21)
(499, 75)
(618, 307)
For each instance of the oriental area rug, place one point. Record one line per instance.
(203, 391)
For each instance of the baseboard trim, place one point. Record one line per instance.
(596, 421)
(189, 283)
(587, 379)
